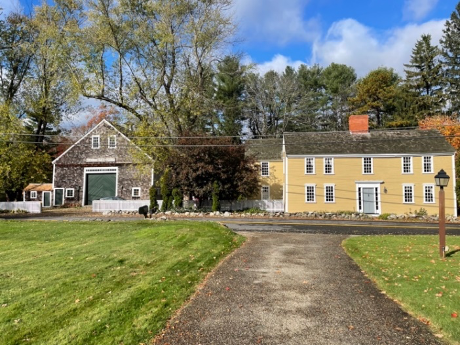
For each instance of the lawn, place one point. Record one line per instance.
(409, 270)
(101, 282)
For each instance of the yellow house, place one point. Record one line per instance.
(269, 161)
(372, 172)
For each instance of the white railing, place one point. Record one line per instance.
(134, 205)
(273, 205)
(30, 207)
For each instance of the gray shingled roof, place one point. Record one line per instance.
(375, 142)
(265, 149)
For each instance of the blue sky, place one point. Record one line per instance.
(364, 34)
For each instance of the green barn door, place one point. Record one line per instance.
(99, 185)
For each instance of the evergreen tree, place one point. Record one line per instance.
(424, 78)
(229, 96)
(450, 44)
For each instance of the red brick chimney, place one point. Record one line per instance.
(358, 123)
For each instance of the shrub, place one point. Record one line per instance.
(177, 197)
(153, 198)
(215, 196)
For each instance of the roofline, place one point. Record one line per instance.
(93, 129)
(373, 155)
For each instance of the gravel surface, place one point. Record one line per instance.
(292, 289)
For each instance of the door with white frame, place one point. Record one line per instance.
(368, 198)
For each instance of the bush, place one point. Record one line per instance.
(215, 197)
(384, 216)
(253, 211)
(177, 197)
(153, 198)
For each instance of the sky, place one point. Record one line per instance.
(364, 34)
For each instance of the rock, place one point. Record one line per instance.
(227, 214)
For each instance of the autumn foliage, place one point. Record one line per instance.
(449, 127)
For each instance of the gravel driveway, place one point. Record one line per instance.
(292, 289)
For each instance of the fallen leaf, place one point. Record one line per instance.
(350, 327)
(454, 315)
(439, 335)
(77, 301)
(438, 294)
(227, 288)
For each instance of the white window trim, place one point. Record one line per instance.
(332, 165)
(314, 193)
(262, 171)
(411, 165)
(431, 165)
(134, 189)
(333, 189)
(372, 165)
(404, 193)
(262, 192)
(424, 194)
(313, 164)
(67, 193)
(98, 142)
(33, 195)
(115, 141)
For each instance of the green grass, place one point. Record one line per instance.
(409, 270)
(101, 282)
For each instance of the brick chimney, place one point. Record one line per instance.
(358, 123)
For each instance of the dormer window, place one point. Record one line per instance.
(95, 142)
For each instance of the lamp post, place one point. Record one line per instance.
(442, 179)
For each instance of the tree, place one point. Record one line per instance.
(153, 59)
(15, 58)
(338, 81)
(47, 91)
(376, 93)
(20, 161)
(424, 78)
(230, 84)
(310, 100)
(198, 162)
(271, 101)
(450, 44)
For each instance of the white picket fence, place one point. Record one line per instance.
(30, 207)
(134, 205)
(273, 205)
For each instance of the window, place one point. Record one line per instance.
(428, 193)
(33, 194)
(95, 142)
(264, 169)
(408, 193)
(136, 192)
(309, 165)
(112, 142)
(328, 165)
(427, 164)
(407, 164)
(329, 194)
(69, 193)
(367, 165)
(310, 193)
(265, 192)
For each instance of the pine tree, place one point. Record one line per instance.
(229, 96)
(424, 78)
(450, 43)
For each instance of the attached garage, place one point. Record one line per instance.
(100, 182)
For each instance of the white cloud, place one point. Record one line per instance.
(278, 64)
(274, 21)
(418, 9)
(9, 6)
(350, 42)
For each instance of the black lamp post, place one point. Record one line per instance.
(442, 179)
